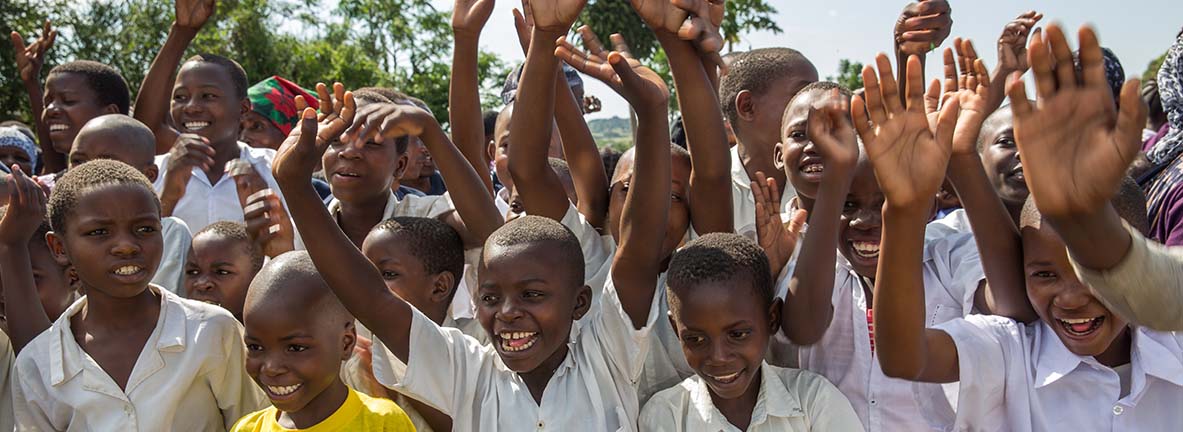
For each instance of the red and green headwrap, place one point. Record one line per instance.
(275, 99)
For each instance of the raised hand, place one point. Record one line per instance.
(923, 26)
(703, 27)
(302, 150)
(380, 122)
(1012, 45)
(660, 15)
(268, 224)
(617, 69)
(26, 210)
(830, 129)
(556, 15)
(193, 14)
(190, 151)
(972, 88)
(776, 237)
(909, 159)
(247, 180)
(30, 58)
(469, 16)
(1076, 147)
(523, 22)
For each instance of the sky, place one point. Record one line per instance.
(828, 31)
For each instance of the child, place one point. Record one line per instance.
(273, 112)
(725, 333)
(221, 265)
(297, 334)
(16, 148)
(75, 93)
(130, 355)
(122, 138)
(27, 313)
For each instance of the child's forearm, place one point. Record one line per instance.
(153, 99)
(579, 147)
(645, 217)
(530, 127)
(899, 294)
(706, 138)
(465, 109)
(998, 241)
(474, 206)
(807, 309)
(354, 280)
(23, 310)
(1084, 231)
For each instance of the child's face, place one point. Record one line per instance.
(113, 239)
(501, 156)
(53, 288)
(10, 156)
(204, 103)
(108, 145)
(861, 222)
(796, 154)
(295, 356)
(526, 306)
(259, 132)
(679, 219)
(1000, 158)
(405, 274)
(218, 271)
(724, 333)
(770, 107)
(416, 154)
(363, 171)
(69, 104)
(1082, 323)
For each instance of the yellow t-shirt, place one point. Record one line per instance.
(358, 413)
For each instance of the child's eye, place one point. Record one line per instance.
(489, 299)
(676, 198)
(797, 135)
(221, 272)
(740, 334)
(97, 232)
(1044, 275)
(191, 272)
(849, 206)
(532, 294)
(388, 275)
(297, 348)
(254, 347)
(209, 96)
(693, 340)
(1006, 142)
(146, 229)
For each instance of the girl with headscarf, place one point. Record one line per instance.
(1164, 192)
(273, 112)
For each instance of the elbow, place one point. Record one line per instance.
(803, 335)
(899, 368)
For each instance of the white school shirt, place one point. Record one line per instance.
(206, 203)
(594, 389)
(7, 363)
(1018, 377)
(956, 222)
(190, 376)
(952, 272)
(598, 251)
(177, 240)
(790, 400)
(743, 204)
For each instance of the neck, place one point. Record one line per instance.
(738, 411)
(358, 218)
(756, 156)
(318, 409)
(132, 313)
(423, 184)
(537, 379)
(1015, 211)
(805, 203)
(1118, 352)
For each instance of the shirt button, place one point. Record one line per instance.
(872, 401)
(540, 425)
(1117, 410)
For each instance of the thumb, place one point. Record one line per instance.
(308, 127)
(18, 43)
(623, 70)
(797, 222)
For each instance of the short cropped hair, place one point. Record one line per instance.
(83, 178)
(383, 95)
(720, 257)
(822, 86)
(106, 82)
(756, 71)
(235, 70)
(394, 96)
(435, 244)
(236, 231)
(490, 119)
(1129, 202)
(528, 230)
(293, 279)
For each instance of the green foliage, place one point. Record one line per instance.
(612, 132)
(404, 44)
(746, 16)
(617, 16)
(850, 74)
(1153, 67)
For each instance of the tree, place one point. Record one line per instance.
(1153, 67)
(850, 74)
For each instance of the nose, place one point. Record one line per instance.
(719, 352)
(202, 283)
(125, 247)
(273, 365)
(510, 311)
(1074, 294)
(352, 149)
(866, 219)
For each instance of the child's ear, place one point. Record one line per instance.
(774, 314)
(673, 324)
(111, 109)
(401, 166)
(245, 106)
(778, 156)
(441, 287)
(348, 340)
(152, 172)
(491, 150)
(583, 300)
(745, 105)
(57, 248)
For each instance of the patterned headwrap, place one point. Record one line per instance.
(1114, 72)
(1170, 89)
(509, 92)
(13, 137)
(275, 99)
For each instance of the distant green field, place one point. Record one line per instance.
(612, 132)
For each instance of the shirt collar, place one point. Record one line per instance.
(738, 174)
(773, 400)
(387, 213)
(1148, 353)
(1157, 354)
(1054, 360)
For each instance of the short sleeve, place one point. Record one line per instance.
(625, 347)
(661, 413)
(958, 266)
(177, 240)
(31, 405)
(444, 368)
(424, 207)
(236, 393)
(989, 350)
(595, 252)
(1145, 286)
(826, 406)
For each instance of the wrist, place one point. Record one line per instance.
(907, 212)
(466, 38)
(184, 31)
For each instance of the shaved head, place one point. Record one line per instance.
(291, 284)
(136, 143)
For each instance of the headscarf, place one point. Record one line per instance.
(509, 92)
(13, 137)
(275, 99)
(1170, 89)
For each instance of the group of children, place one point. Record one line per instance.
(333, 281)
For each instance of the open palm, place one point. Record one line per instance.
(470, 16)
(638, 84)
(660, 15)
(298, 155)
(194, 13)
(556, 15)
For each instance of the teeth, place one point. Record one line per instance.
(196, 126)
(283, 390)
(55, 127)
(867, 249)
(812, 168)
(1078, 320)
(726, 378)
(127, 270)
(1080, 326)
(517, 341)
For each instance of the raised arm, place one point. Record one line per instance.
(29, 60)
(922, 27)
(155, 95)
(808, 307)
(909, 164)
(999, 245)
(1012, 54)
(354, 280)
(26, 210)
(464, 111)
(646, 208)
(538, 186)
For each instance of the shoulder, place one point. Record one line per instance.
(255, 421)
(258, 154)
(386, 410)
(203, 318)
(664, 409)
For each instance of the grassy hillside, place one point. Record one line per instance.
(612, 132)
